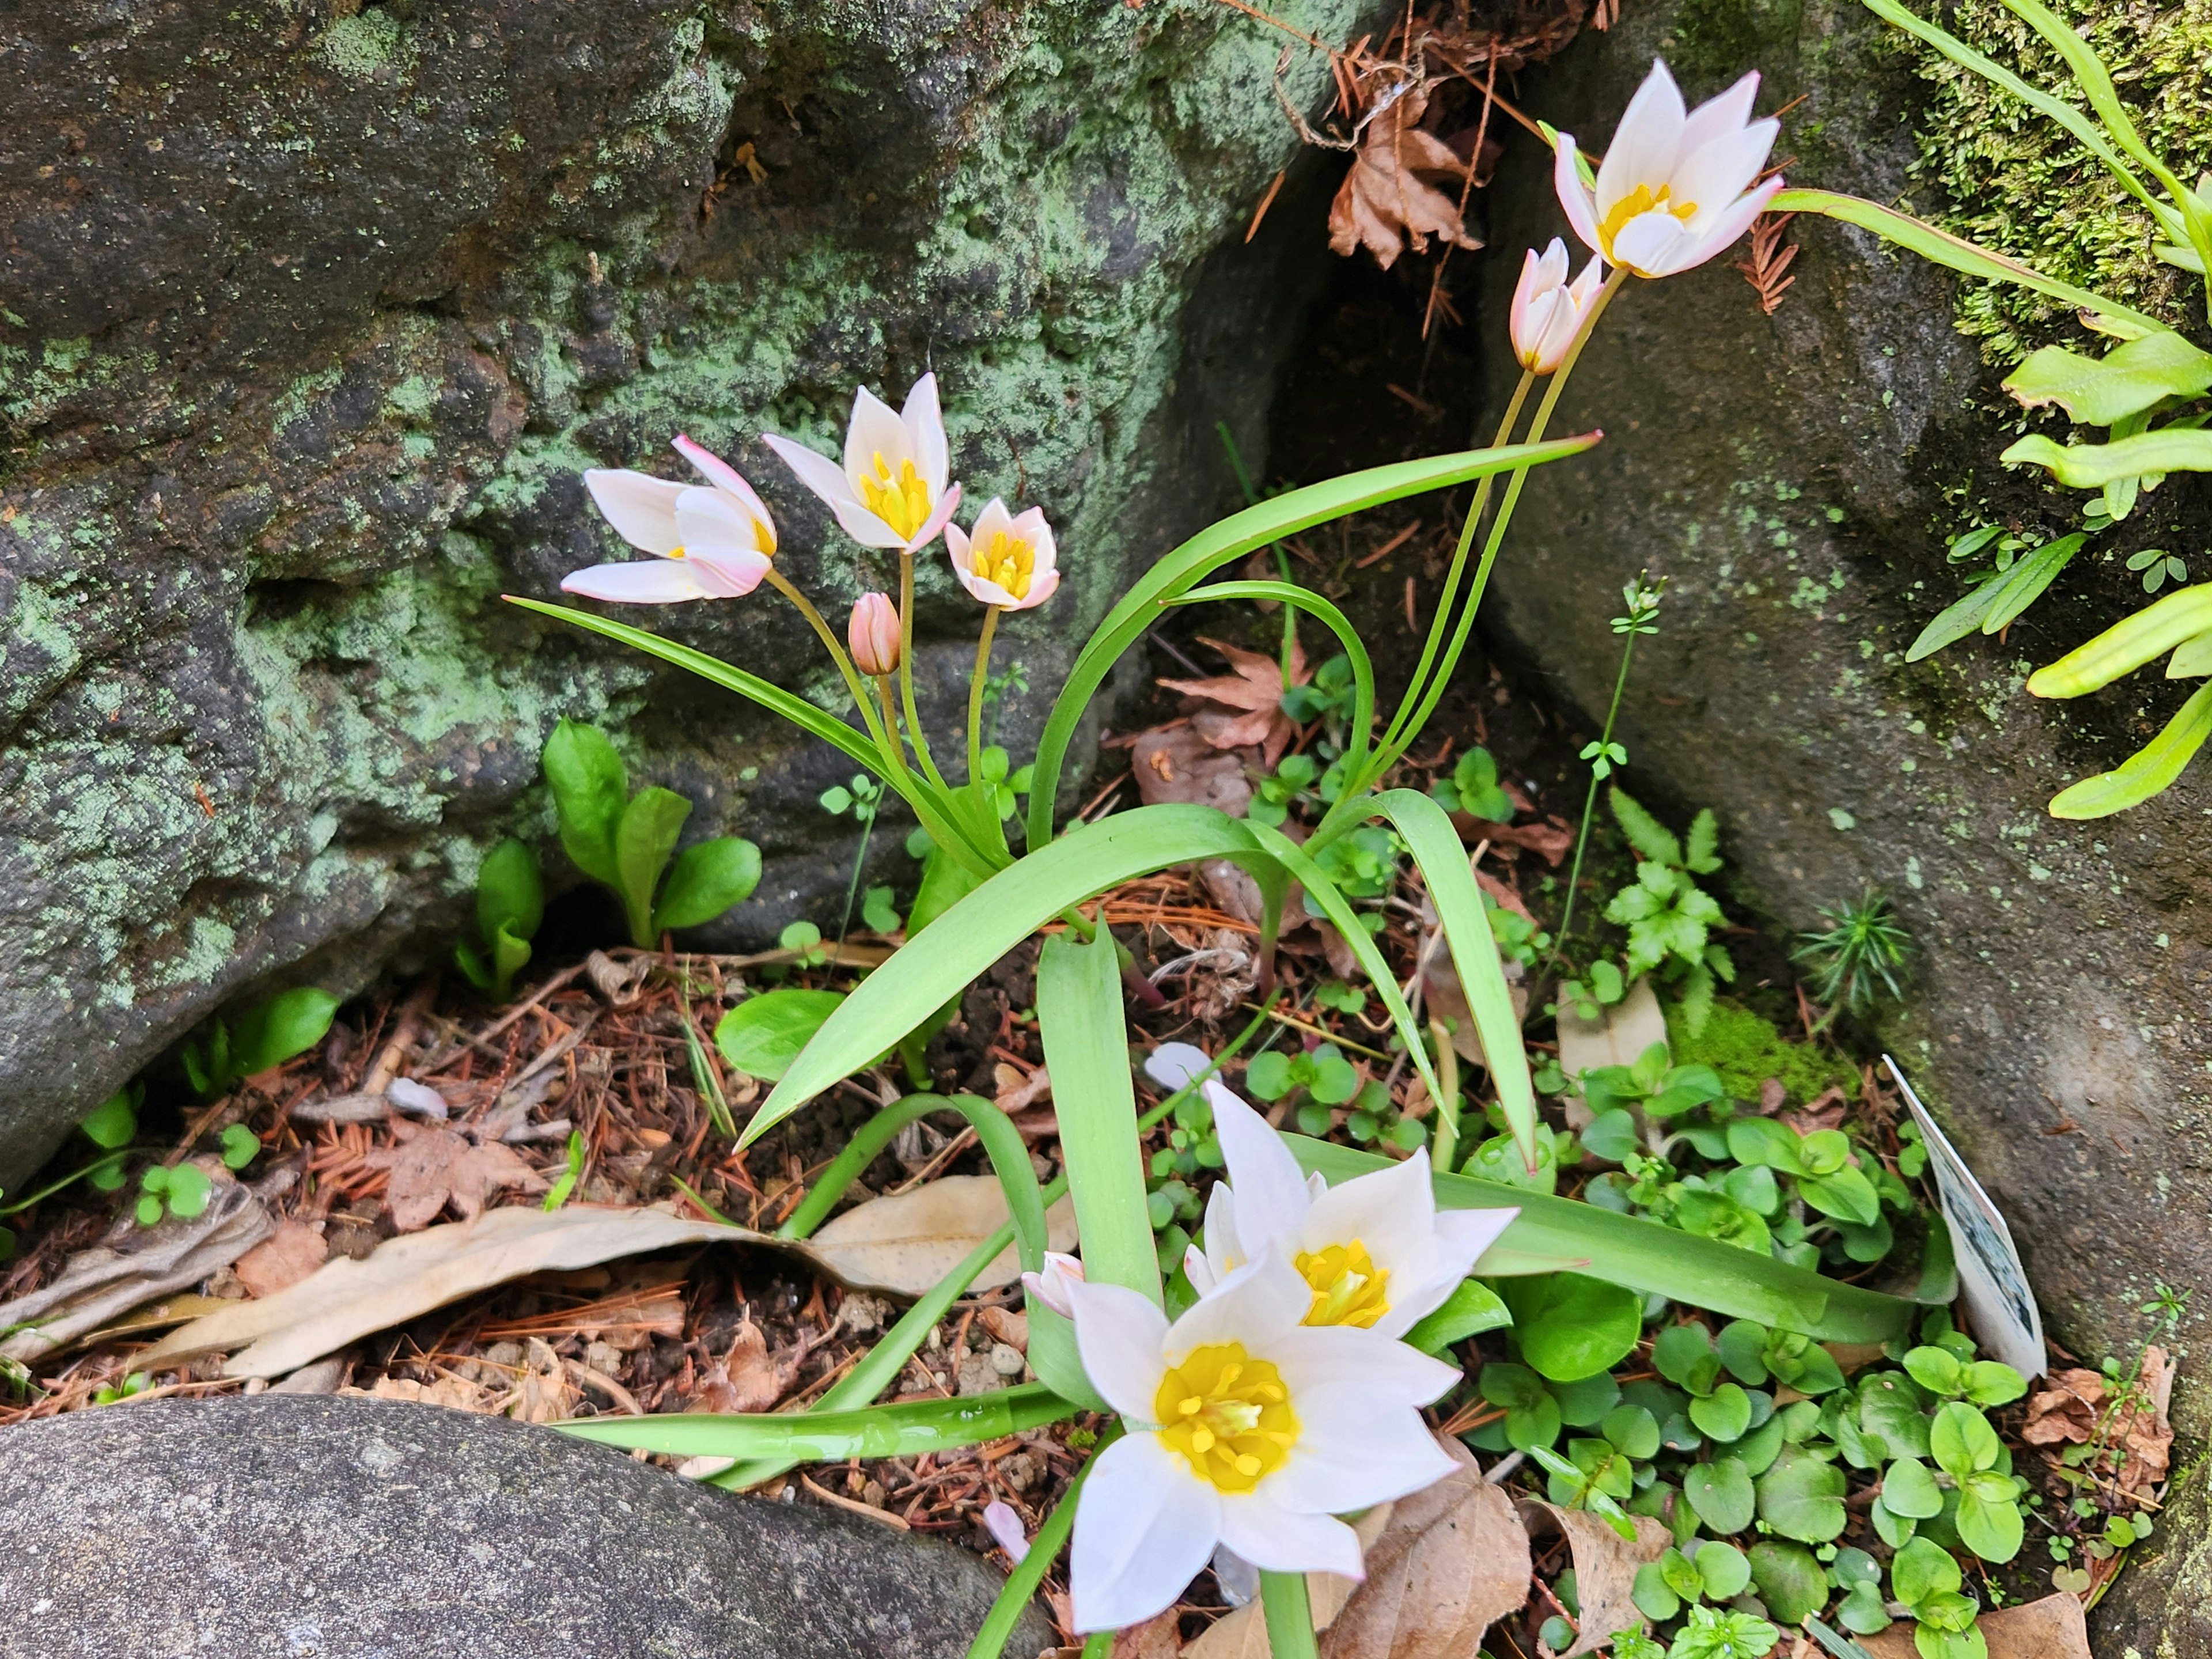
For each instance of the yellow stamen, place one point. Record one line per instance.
(1009, 561)
(1229, 1415)
(1348, 1288)
(902, 502)
(1637, 203)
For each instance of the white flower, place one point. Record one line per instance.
(714, 543)
(1008, 561)
(1547, 310)
(1675, 188)
(1245, 1428)
(891, 490)
(1050, 1285)
(1375, 1252)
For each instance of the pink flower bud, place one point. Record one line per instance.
(873, 634)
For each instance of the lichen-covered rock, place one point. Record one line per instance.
(1795, 478)
(2160, 1606)
(311, 313)
(288, 1524)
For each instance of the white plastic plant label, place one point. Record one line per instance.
(1991, 1281)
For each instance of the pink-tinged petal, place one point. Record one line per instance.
(1722, 234)
(873, 430)
(1120, 1335)
(709, 520)
(1271, 1188)
(1224, 1249)
(818, 472)
(728, 575)
(1574, 198)
(925, 425)
(1650, 243)
(939, 517)
(1717, 175)
(1716, 117)
(1042, 586)
(1352, 1455)
(1646, 142)
(1259, 1305)
(646, 581)
(720, 474)
(1322, 1357)
(641, 509)
(1049, 1286)
(1172, 1065)
(1145, 1526)
(1198, 1270)
(1277, 1539)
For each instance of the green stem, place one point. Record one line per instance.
(976, 683)
(859, 861)
(829, 637)
(906, 673)
(91, 1169)
(1290, 1616)
(1028, 1576)
(1589, 801)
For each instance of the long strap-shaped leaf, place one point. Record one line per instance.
(1650, 1257)
(2147, 771)
(1232, 539)
(1960, 255)
(989, 922)
(907, 1430)
(2127, 645)
(2089, 466)
(1460, 910)
(1086, 1049)
(1355, 648)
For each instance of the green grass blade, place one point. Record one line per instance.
(907, 1430)
(1086, 1049)
(1649, 1256)
(2090, 466)
(2144, 773)
(1232, 539)
(1436, 847)
(1955, 252)
(989, 922)
(1355, 648)
(2127, 645)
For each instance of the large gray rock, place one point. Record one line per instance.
(1794, 477)
(292, 1527)
(311, 313)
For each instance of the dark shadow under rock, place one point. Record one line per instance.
(359, 1529)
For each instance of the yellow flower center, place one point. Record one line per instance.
(1348, 1288)
(1009, 561)
(902, 502)
(1229, 1414)
(1637, 203)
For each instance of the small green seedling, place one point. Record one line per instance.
(1326, 1076)
(510, 905)
(183, 1191)
(1927, 1581)
(1473, 788)
(564, 1185)
(267, 1034)
(625, 841)
(108, 1393)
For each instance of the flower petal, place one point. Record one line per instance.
(873, 430)
(1042, 586)
(1121, 1336)
(1646, 142)
(720, 474)
(1392, 1212)
(939, 517)
(729, 575)
(1716, 176)
(1277, 1539)
(709, 520)
(1259, 1305)
(818, 472)
(1652, 244)
(1463, 1235)
(1320, 1358)
(642, 510)
(644, 581)
(1351, 1455)
(1271, 1190)
(1173, 1065)
(1145, 1526)
(1574, 195)
(1718, 237)
(1225, 1247)
(1716, 117)
(925, 424)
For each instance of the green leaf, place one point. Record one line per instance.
(1724, 1569)
(1989, 1523)
(1961, 1441)
(2097, 391)
(189, 1190)
(1723, 1415)
(1922, 1571)
(1720, 1493)
(1473, 1307)
(1936, 1370)
(1633, 1432)
(2020, 586)
(2127, 645)
(590, 786)
(1847, 1194)
(1801, 1496)
(1653, 1596)
(240, 1147)
(644, 836)
(1652, 840)
(1890, 1409)
(763, 1035)
(2145, 772)
(1684, 1355)
(1911, 1491)
(907, 1430)
(2092, 467)
(1743, 1346)
(1789, 1581)
(149, 1211)
(114, 1122)
(509, 957)
(1611, 1135)
(1086, 1048)
(1761, 1140)
(269, 1033)
(509, 893)
(1568, 1326)
(708, 879)
(1989, 1383)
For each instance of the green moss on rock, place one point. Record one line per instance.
(1746, 1050)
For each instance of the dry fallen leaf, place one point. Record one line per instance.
(544, 1394)
(2052, 1628)
(1158, 1638)
(283, 1259)
(2078, 1407)
(746, 1379)
(1383, 203)
(904, 1243)
(1243, 1634)
(431, 1167)
(453, 1393)
(1547, 841)
(1605, 1571)
(1618, 1037)
(1248, 714)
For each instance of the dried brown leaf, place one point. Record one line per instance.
(747, 1379)
(281, 1261)
(905, 1242)
(1175, 764)
(1383, 204)
(545, 1394)
(2052, 1628)
(1158, 1638)
(453, 1393)
(1605, 1571)
(2066, 1412)
(1547, 841)
(433, 1167)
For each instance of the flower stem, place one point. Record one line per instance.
(1290, 1616)
(976, 683)
(906, 673)
(1028, 1576)
(1589, 801)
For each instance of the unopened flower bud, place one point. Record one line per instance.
(874, 634)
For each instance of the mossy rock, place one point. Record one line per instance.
(1746, 1049)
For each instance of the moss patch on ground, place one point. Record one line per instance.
(1746, 1050)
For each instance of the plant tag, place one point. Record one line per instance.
(1991, 1281)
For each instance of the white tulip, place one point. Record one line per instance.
(1547, 310)
(891, 490)
(1005, 561)
(1245, 1428)
(713, 543)
(1676, 188)
(1375, 1252)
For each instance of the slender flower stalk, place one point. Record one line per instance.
(1642, 602)
(976, 684)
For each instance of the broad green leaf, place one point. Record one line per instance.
(1569, 1326)
(1473, 1307)
(240, 1147)
(589, 782)
(1724, 1570)
(1436, 847)
(113, 1122)
(1909, 1490)
(1990, 1383)
(509, 893)
(908, 1430)
(1847, 1194)
(644, 838)
(1086, 1049)
(1653, 1597)
(707, 879)
(1936, 1370)
(988, 922)
(1801, 1496)
(2126, 646)
(1761, 1140)
(1684, 1355)
(188, 1189)
(2192, 658)
(1989, 1523)
(1961, 1441)
(1788, 1580)
(1649, 1256)
(1742, 1347)
(1723, 1415)
(945, 882)
(1232, 539)
(2144, 773)
(2092, 467)
(765, 1034)
(1890, 1409)
(1720, 1494)
(2097, 391)
(509, 957)
(272, 1032)
(1922, 1572)
(1633, 1432)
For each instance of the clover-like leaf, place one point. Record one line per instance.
(1720, 1494)
(1801, 1496)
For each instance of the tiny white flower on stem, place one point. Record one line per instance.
(891, 490)
(1050, 1285)
(1006, 1529)
(1243, 1428)
(1009, 562)
(874, 634)
(1547, 309)
(714, 542)
(1676, 186)
(1375, 1252)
